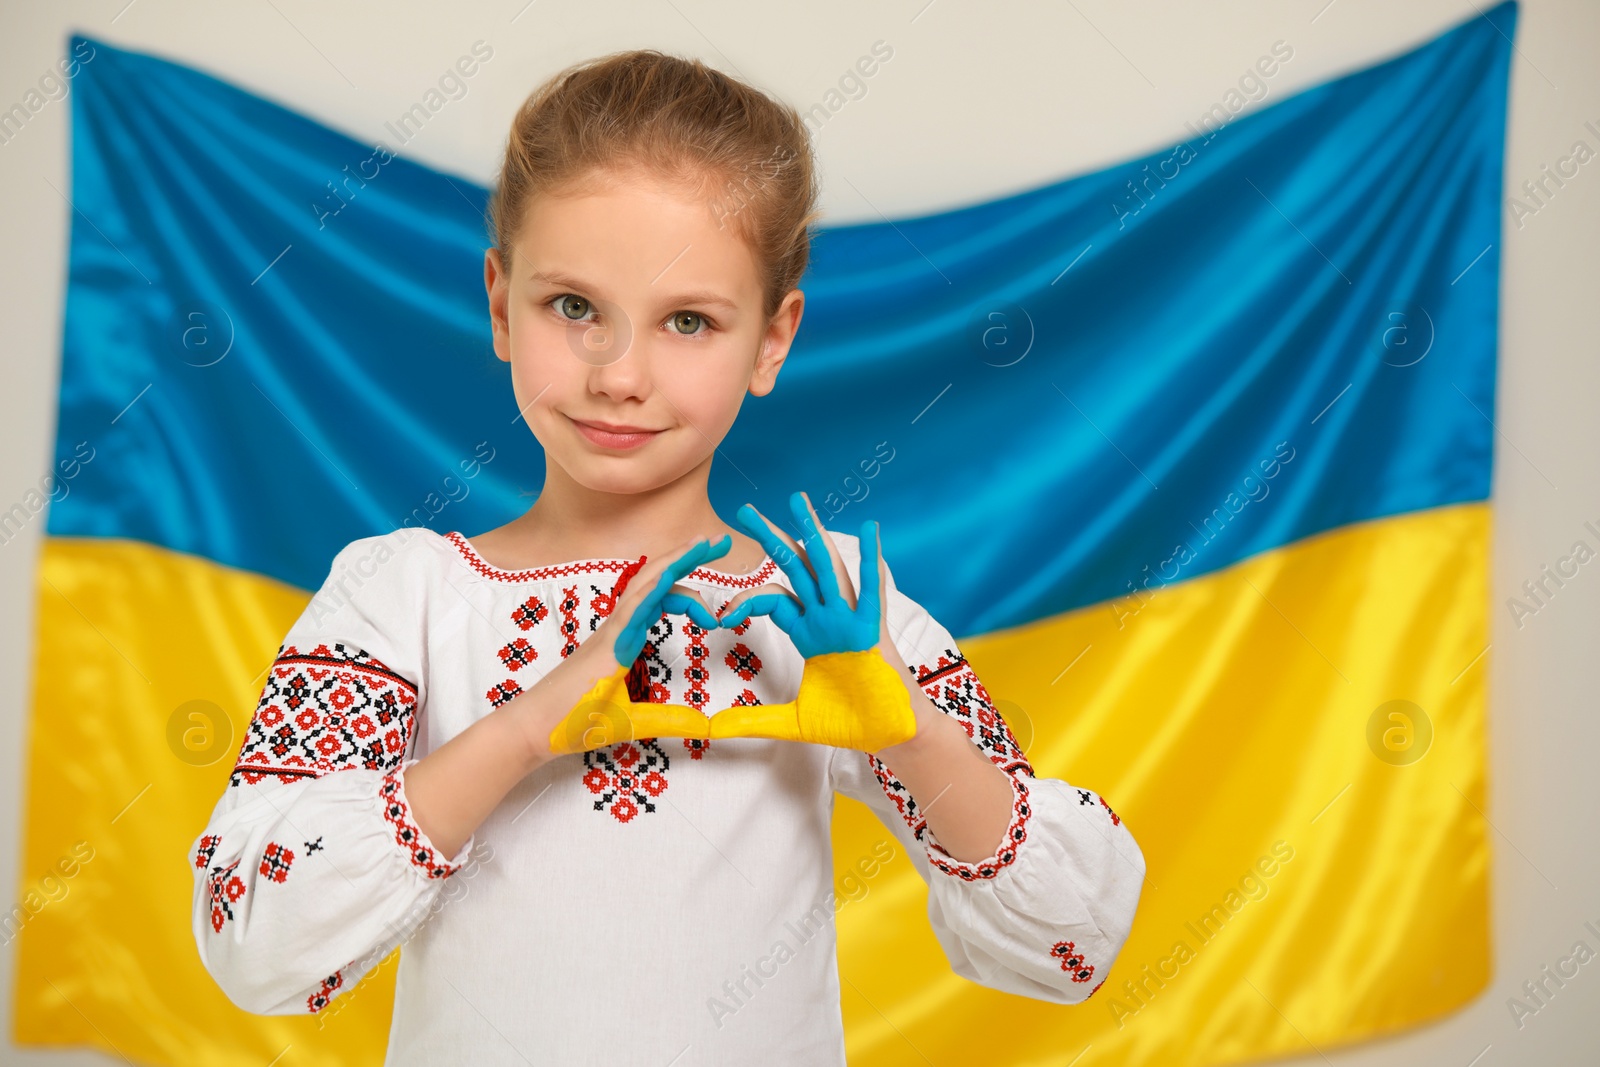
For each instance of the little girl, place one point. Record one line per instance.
(584, 778)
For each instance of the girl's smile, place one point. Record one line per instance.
(617, 437)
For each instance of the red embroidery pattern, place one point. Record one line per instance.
(518, 654)
(899, 796)
(275, 862)
(320, 999)
(953, 688)
(626, 778)
(650, 677)
(698, 695)
(1095, 990)
(742, 661)
(604, 565)
(407, 833)
(503, 692)
(529, 613)
(760, 576)
(625, 577)
(323, 711)
(568, 606)
(1086, 798)
(603, 603)
(564, 570)
(1006, 855)
(1073, 963)
(207, 848)
(225, 889)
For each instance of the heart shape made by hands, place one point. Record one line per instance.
(847, 699)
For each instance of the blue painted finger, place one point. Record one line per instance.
(867, 604)
(698, 553)
(779, 606)
(818, 546)
(630, 641)
(799, 576)
(692, 606)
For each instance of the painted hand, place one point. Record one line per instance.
(850, 695)
(606, 714)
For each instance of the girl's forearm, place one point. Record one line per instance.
(455, 787)
(965, 798)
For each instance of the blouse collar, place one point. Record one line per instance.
(766, 572)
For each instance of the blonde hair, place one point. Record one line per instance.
(677, 119)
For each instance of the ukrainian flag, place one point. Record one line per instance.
(1193, 453)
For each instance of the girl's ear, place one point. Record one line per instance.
(498, 287)
(775, 342)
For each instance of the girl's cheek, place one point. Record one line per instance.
(714, 396)
(534, 345)
(542, 360)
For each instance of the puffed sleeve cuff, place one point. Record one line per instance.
(1004, 855)
(1047, 915)
(425, 858)
(303, 886)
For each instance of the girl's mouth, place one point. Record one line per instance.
(621, 439)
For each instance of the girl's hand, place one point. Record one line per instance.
(604, 713)
(852, 692)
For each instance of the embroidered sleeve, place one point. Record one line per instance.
(311, 868)
(1049, 911)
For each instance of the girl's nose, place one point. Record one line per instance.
(607, 340)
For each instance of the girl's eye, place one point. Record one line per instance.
(573, 307)
(685, 322)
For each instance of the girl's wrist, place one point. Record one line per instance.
(923, 744)
(537, 712)
(531, 716)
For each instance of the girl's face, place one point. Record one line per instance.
(631, 307)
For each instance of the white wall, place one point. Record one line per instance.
(979, 100)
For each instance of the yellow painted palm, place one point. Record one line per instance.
(850, 696)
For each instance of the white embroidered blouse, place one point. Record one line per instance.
(657, 901)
